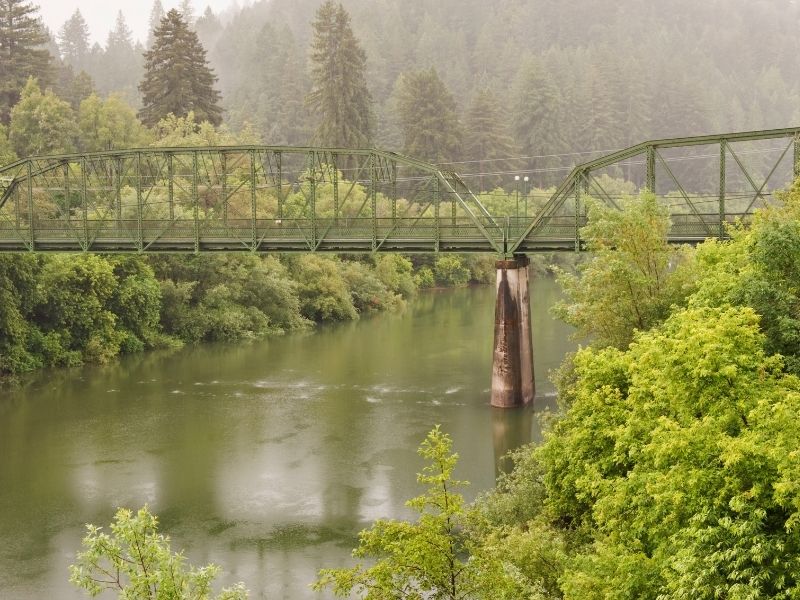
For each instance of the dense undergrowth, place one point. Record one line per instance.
(64, 310)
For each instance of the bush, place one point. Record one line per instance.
(450, 271)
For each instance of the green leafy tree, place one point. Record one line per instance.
(487, 139)
(629, 283)
(450, 271)
(432, 557)
(42, 123)
(137, 561)
(339, 95)
(73, 42)
(324, 294)
(673, 462)
(23, 52)
(7, 154)
(75, 310)
(109, 124)
(759, 268)
(177, 78)
(18, 296)
(428, 117)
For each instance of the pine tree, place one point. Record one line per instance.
(487, 137)
(22, 52)
(537, 110)
(177, 77)
(73, 42)
(121, 63)
(187, 12)
(428, 117)
(339, 94)
(156, 14)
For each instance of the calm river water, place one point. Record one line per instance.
(266, 458)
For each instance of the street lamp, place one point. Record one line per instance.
(527, 189)
(516, 185)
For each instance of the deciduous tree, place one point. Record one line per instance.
(136, 561)
(42, 123)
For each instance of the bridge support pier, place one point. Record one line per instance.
(512, 363)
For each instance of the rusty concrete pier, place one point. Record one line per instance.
(512, 364)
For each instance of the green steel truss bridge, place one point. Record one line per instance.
(287, 199)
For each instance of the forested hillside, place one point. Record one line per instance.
(563, 78)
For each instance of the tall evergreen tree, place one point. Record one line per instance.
(121, 63)
(487, 138)
(177, 76)
(73, 42)
(187, 12)
(536, 113)
(156, 14)
(339, 94)
(23, 51)
(428, 117)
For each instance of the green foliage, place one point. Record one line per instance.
(77, 292)
(367, 290)
(432, 557)
(663, 459)
(22, 41)
(18, 296)
(137, 561)
(339, 96)
(759, 268)
(450, 271)
(186, 131)
(41, 123)
(177, 77)
(109, 124)
(424, 278)
(323, 292)
(630, 282)
(7, 154)
(428, 118)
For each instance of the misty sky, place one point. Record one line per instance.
(101, 14)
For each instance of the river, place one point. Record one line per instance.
(266, 457)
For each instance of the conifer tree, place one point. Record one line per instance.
(428, 118)
(177, 76)
(339, 94)
(121, 63)
(156, 14)
(487, 137)
(73, 42)
(537, 109)
(23, 51)
(187, 12)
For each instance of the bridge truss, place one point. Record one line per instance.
(281, 199)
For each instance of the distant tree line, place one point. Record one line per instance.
(494, 83)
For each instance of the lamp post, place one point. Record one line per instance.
(516, 185)
(527, 190)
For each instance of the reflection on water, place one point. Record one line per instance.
(266, 458)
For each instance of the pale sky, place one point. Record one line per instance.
(101, 14)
